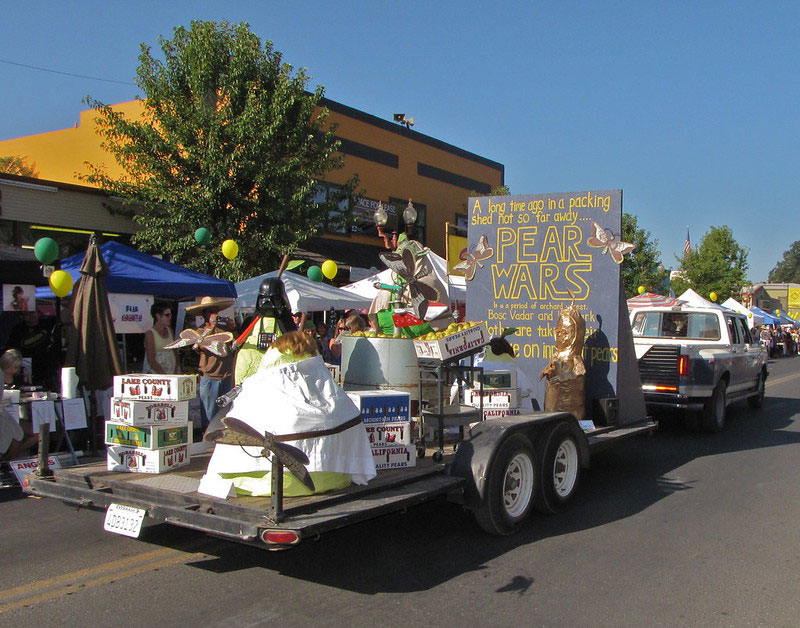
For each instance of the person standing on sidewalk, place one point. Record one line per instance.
(216, 372)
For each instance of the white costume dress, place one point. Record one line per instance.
(298, 397)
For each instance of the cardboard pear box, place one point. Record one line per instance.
(142, 413)
(395, 457)
(388, 434)
(155, 387)
(148, 437)
(450, 347)
(136, 460)
(506, 398)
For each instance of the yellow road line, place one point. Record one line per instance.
(72, 587)
(65, 584)
(82, 573)
(786, 378)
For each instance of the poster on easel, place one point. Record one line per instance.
(530, 256)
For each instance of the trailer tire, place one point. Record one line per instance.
(559, 471)
(510, 487)
(713, 418)
(757, 400)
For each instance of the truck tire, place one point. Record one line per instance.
(757, 400)
(713, 418)
(559, 470)
(509, 489)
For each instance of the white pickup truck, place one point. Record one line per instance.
(697, 360)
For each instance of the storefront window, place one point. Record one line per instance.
(338, 219)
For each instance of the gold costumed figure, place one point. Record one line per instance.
(566, 373)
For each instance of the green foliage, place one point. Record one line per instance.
(788, 269)
(229, 141)
(718, 264)
(14, 164)
(641, 267)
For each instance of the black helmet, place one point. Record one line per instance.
(272, 300)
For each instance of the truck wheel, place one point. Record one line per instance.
(756, 401)
(713, 419)
(509, 489)
(559, 469)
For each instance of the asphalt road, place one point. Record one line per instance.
(678, 529)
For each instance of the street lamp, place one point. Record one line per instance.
(381, 218)
(409, 217)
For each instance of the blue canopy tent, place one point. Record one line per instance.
(134, 272)
(787, 320)
(769, 319)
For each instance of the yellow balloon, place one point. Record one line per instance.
(329, 268)
(60, 283)
(230, 249)
(641, 289)
(713, 296)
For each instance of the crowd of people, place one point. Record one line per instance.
(779, 341)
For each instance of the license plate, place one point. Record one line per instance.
(124, 520)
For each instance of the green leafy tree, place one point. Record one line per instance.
(788, 269)
(14, 164)
(718, 264)
(642, 267)
(229, 141)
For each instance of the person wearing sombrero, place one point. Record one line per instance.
(216, 371)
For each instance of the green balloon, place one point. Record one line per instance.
(314, 273)
(46, 250)
(202, 235)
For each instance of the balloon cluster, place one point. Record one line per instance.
(229, 247)
(46, 251)
(328, 270)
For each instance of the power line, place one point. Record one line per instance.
(83, 76)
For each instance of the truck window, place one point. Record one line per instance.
(705, 326)
(646, 324)
(744, 332)
(676, 325)
(735, 339)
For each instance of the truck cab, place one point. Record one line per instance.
(697, 360)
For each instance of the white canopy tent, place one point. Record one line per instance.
(455, 286)
(753, 319)
(694, 299)
(304, 295)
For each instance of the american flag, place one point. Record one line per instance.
(687, 245)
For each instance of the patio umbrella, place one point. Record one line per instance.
(651, 299)
(93, 347)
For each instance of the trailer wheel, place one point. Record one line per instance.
(559, 469)
(713, 418)
(510, 487)
(757, 400)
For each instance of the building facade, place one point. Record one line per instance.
(394, 164)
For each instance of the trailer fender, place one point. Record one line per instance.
(475, 454)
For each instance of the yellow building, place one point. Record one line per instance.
(394, 164)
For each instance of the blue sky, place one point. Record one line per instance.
(691, 108)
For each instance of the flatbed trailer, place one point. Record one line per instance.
(501, 471)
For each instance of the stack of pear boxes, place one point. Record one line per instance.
(500, 394)
(386, 415)
(149, 430)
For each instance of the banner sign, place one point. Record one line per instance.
(529, 257)
(131, 312)
(456, 253)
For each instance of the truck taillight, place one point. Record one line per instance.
(683, 366)
(280, 537)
